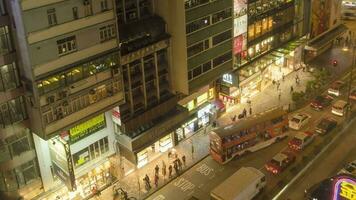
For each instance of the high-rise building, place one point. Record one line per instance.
(145, 123)
(68, 62)
(18, 164)
(268, 44)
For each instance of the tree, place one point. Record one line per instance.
(298, 98)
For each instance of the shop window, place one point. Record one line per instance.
(264, 25)
(81, 157)
(197, 71)
(258, 28)
(222, 37)
(251, 31)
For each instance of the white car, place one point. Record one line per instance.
(349, 169)
(298, 121)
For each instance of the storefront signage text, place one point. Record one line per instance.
(240, 25)
(84, 129)
(344, 188)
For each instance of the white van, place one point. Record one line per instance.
(244, 184)
(339, 108)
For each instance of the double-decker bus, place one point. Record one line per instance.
(248, 135)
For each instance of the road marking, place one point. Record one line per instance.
(184, 184)
(204, 169)
(159, 197)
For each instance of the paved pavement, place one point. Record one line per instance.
(133, 183)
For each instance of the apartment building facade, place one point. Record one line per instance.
(70, 71)
(268, 44)
(19, 171)
(144, 124)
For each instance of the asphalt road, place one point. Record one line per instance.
(207, 174)
(328, 164)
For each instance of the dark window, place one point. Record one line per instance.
(195, 49)
(196, 71)
(206, 66)
(198, 24)
(221, 59)
(222, 37)
(220, 16)
(52, 18)
(75, 12)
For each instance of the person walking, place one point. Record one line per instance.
(147, 182)
(156, 180)
(179, 162)
(175, 166)
(164, 169)
(244, 112)
(250, 110)
(279, 96)
(291, 89)
(170, 169)
(156, 170)
(183, 159)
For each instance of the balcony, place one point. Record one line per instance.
(91, 110)
(68, 27)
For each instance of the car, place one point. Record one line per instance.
(280, 162)
(353, 95)
(298, 121)
(325, 125)
(335, 88)
(340, 108)
(349, 169)
(301, 140)
(320, 102)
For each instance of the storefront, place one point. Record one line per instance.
(228, 89)
(150, 153)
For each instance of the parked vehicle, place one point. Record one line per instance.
(325, 125)
(244, 184)
(320, 102)
(349, 169)
(339, 108)
(301, 140)
(335, 88)
(280, 162)
(298, 121)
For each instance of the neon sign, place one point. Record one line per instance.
(344, 188)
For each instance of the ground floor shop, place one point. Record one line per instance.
(260, 73)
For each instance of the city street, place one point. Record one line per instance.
(341, 152)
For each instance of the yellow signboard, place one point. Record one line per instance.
(87, 128)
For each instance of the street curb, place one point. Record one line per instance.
(291, 182)
(166, 183)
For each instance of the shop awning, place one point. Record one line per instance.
(326, 38)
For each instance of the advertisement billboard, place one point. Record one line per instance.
(320, 19)
(240, 25)
(240, 8)
(86, 128)
(240, 43)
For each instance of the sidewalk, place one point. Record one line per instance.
(268, 98)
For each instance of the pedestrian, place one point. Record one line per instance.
(278, 84)
(183, 159)
(147, 182)
(192, 151)
(170, 171)
(164, 169)
(250, 110)
(175, 166)
(156, 180)
(169, 154)
(273, 82)
(179, 162)
(283, 76)
(156, 170)
(244, 112)
(291, 89)
(279, 96)
(233, 118)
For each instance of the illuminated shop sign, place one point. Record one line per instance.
(240, 43)
(89, 127)
(344, 189)
(116, 116)
(240, 25)
(240, 8)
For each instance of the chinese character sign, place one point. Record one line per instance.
(344, 189)
(240, 25)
